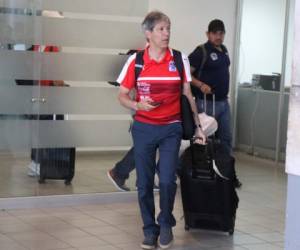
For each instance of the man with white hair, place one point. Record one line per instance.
(157, 124)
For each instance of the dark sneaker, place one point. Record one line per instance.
(237, 183)
(150, 242)
(165, 238)
(119, 183)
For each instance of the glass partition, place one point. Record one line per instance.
(261, 101)
(56, 58)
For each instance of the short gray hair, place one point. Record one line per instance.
(152, 19)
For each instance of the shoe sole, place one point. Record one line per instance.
(166, 246)
(147, 247)
(115, 184)
(31, 174)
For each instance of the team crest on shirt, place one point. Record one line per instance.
(214, 56)
(172, 66)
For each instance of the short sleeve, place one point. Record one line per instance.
(127, 75)
(196, 58)
(186, 67)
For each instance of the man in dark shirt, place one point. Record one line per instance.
(210, 74)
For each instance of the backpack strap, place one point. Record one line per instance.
(178, 62)
(224, 49)
(139, 63)
(204, 59)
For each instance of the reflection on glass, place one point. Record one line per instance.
(30, 12)
(38, 155)
(39, 129)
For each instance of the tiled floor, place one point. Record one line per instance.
(259, 224)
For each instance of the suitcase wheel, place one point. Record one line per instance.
(231, 231)
(42, 181)
(67, 182)
(187, 228)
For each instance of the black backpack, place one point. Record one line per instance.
(188, 124)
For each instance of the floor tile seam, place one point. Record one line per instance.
(222, 245)
(256, 244)
(20, 243)
(16, 242)
(125, 232)
(78, 227)
(82, 230)
(92, 234)
(106, 243)
(253, 236)
(19, 218)
(271, 241)
(94, 217)
(58, 239)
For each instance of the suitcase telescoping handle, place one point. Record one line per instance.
(192, 141)
(213, 107)
(214, 103)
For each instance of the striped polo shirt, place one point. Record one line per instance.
(159, 81)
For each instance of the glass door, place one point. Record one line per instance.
(57, 58)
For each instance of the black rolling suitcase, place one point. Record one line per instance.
(208, 195)
(57, 163)
(207, 186)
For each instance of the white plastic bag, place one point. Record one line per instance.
(209, 126)
(208, 123)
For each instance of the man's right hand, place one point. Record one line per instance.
(146, 105)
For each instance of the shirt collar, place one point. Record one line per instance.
(167, 57)
(211, 46)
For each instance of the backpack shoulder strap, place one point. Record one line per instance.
(224, 49)
(204, 58)
(139, 63)
(178, 62)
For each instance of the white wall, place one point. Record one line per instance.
(190, 19)
(296, 55)
(262, 34)
(290, 45)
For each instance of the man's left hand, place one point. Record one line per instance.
(199, 136)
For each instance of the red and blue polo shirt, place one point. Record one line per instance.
(159, 81)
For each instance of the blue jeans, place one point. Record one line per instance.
(222, 115)
(147, 139)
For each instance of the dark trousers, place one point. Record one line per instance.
(147, 140)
